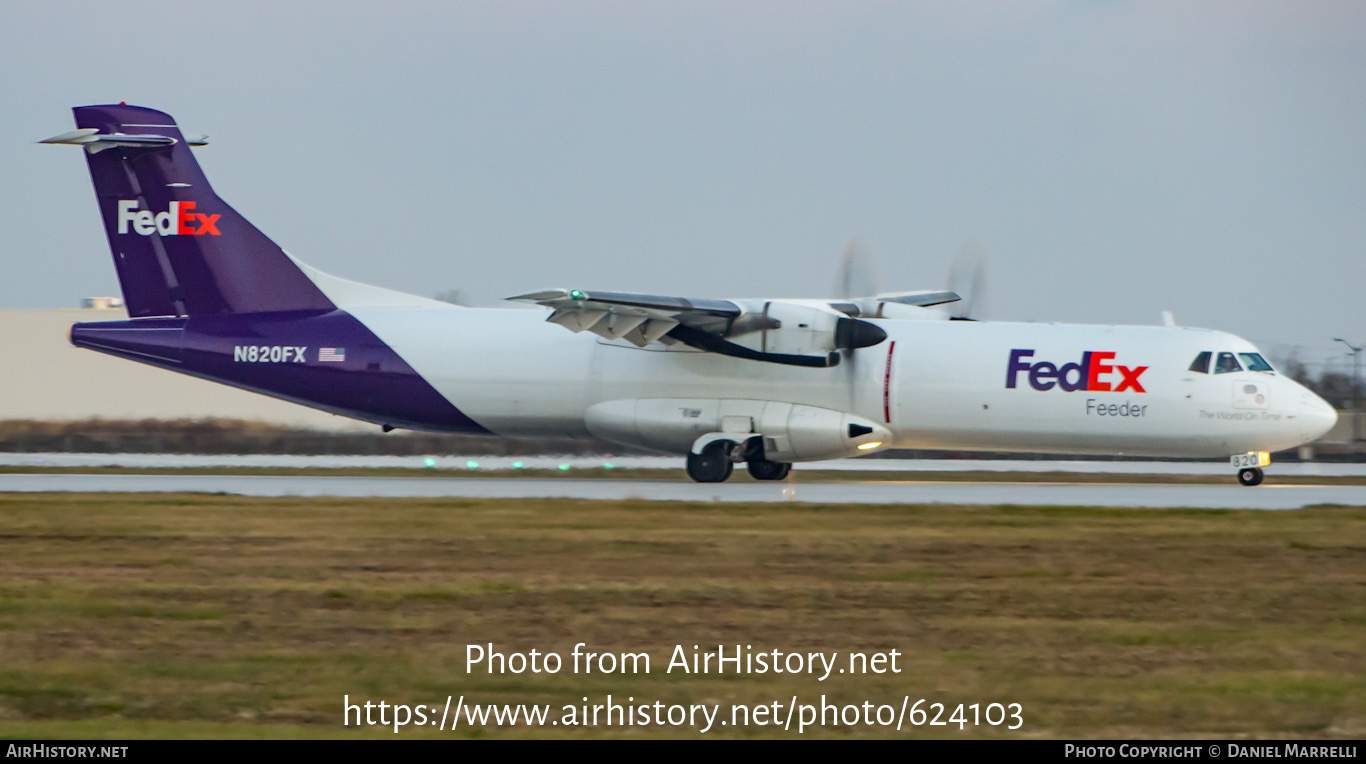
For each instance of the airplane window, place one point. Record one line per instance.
(1226, 363)
(1255, 362)
(1201, 363)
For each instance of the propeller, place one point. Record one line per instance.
(858, 274)
(967, 277)
(858, 284)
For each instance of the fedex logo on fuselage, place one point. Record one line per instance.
(179, 220)
(1092, 373)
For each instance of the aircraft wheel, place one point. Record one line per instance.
(1250, 476)
(763, 469)
(713, 465)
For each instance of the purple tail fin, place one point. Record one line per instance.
(178, 248)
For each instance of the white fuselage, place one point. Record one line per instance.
(932, 384)
(725, 381)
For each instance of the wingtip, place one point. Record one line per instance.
(544, 294)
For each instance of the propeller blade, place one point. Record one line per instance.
(857, 276)
(968, 278)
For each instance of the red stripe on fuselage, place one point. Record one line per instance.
(887, 386)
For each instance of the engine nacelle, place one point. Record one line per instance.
(799, 328)
(786, 432)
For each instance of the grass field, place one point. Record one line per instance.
(220, 616)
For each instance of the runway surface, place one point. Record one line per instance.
(1230, 496)
(485, 462)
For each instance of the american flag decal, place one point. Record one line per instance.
(333, 355)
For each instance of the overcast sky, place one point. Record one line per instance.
(1111, 159)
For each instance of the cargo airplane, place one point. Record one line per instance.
(764, 382)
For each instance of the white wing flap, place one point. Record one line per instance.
(617, 325)
(577, 320)
(650, 331)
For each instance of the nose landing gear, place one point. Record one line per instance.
(1249, 466)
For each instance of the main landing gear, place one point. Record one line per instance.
(713, 465)
(763, 469)
(1250, 476)
(717, 461)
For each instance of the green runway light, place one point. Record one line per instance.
(472, 464)
(564, 466)
(429, 461)
(516, 465)
(608, 465)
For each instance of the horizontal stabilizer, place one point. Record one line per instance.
(94, 141)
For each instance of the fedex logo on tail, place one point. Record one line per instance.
(1092, 373)
(179, 220)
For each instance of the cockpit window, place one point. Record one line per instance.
(1255, 362)
(1201, 363)
(1226, 364)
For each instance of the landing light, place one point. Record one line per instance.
(870, 446)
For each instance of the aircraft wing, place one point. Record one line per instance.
(750, 329)
(923, 299)
(639, 318)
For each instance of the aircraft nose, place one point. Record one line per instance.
(1316, 417)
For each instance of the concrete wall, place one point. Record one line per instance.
(1343, 431)
(42, 376)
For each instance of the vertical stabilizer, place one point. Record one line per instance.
(179, 249)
